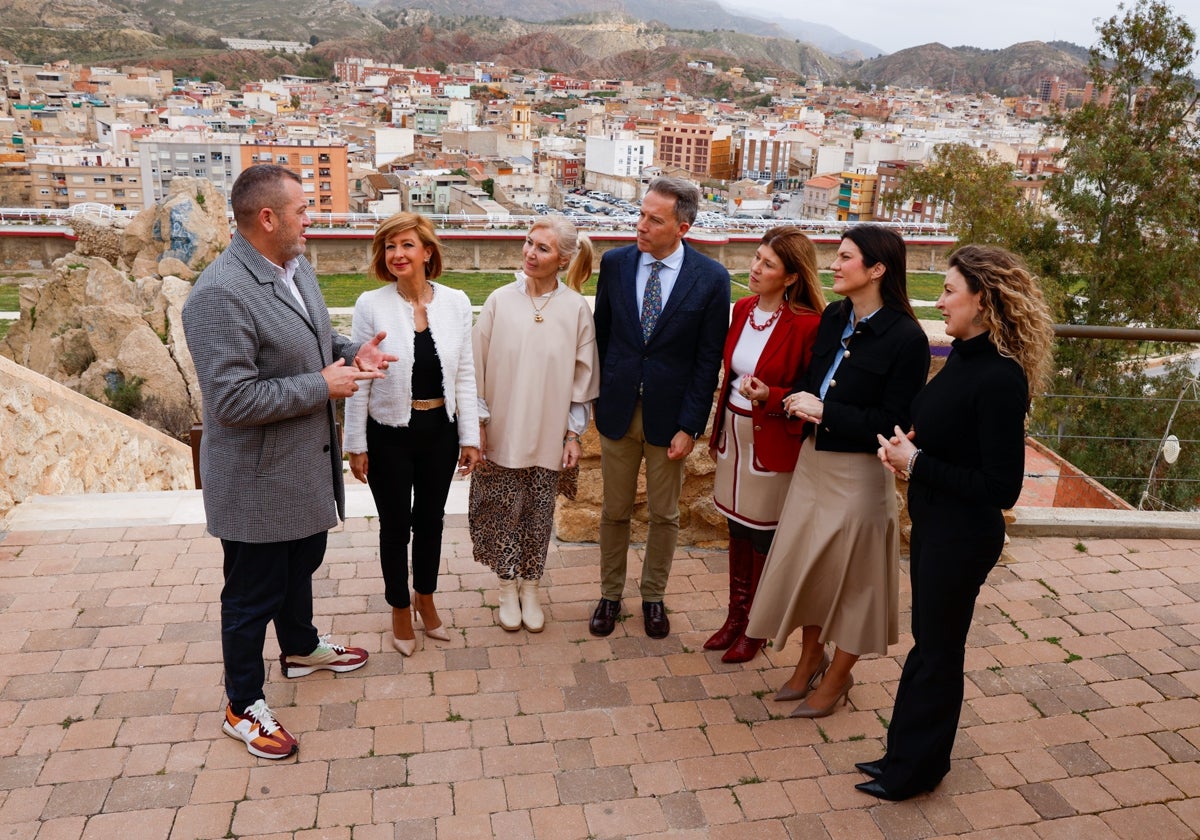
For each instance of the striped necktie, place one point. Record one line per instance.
(652, 300)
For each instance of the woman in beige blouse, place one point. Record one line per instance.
(535, 368)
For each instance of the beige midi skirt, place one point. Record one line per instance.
(743, 489)
(835, 560)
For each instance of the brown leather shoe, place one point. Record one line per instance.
(604, 619)
(658, 626)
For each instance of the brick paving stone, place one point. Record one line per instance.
(144, 825)
(1046, 801)
(1129, 752)
(573, 755)
(367, 773)
(579, 787)
(228, 785)
(408, 803)
(479, 796)
(624, 818)
(171, 790)
(531, 791)
(267, 816)
(24, 805)
(562, 822)
(1075, 828)
(1155, 821)
(202, 821)
(1085, 795)
(995, 809)
(1138, 787)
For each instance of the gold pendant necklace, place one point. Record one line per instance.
(537, 310)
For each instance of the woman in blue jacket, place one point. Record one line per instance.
(834, 565)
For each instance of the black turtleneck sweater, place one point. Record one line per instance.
(970, 426)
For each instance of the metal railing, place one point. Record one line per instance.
(1171, 429)
(63, 217)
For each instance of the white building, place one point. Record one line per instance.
(620, 153)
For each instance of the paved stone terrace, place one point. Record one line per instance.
(1081, 719)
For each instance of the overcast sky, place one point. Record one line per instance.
(894, 25)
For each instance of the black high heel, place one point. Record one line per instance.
(874, 769)
(876, 789)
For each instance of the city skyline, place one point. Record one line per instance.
(893, 26)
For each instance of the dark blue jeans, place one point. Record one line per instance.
(265, 582)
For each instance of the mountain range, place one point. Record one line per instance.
(631, 39)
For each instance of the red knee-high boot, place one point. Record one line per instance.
(747, 647)
(741, 570)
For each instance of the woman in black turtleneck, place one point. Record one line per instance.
(965, 460)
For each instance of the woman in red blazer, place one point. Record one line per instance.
(755, 447)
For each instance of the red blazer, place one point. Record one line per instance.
(782, 363)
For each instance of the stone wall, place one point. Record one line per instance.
(54, 441)
(700, 523)
(344, 252)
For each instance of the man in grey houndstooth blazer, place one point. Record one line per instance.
(269, 366)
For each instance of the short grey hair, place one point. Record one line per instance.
(685, 193)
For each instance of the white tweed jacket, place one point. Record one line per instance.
(389, 400)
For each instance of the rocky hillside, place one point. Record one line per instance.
(611, 44)
(1013, 70)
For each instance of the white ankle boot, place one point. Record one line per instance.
(531, 610)
(510, 605)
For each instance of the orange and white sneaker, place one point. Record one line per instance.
(264, 736)
(326, 657)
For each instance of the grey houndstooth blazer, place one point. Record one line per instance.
(270, 459)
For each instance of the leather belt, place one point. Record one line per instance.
(428, 405)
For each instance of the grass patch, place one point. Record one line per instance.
(341, 290)
(344, 289)
(10, 297)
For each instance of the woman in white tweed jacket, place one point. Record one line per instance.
(405, 433)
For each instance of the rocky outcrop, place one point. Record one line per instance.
(89, 327)
(56, 442)
(93, 328)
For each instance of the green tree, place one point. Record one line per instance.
(982, 203)
(1127, 195)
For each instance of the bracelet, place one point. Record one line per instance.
(912, 459)
(571, 438)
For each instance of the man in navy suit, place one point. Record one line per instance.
(662, 310)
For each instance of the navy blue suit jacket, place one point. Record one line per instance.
(675, 372)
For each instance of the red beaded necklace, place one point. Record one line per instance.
(770, 321)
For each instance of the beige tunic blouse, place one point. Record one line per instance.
(528, 372)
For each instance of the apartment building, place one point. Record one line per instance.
(703, 150)
(322, 168)
(820, 197)
(199, 154)
(763, 155)
(856, 196)
(62, 181)
(915, 210)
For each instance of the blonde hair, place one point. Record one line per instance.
(573, 245)
(1014, 311)
(798, 256)
(399, 223)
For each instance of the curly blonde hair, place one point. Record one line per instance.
(1015, 312)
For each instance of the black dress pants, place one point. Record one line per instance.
(951, 553)
(264, 583)
(409, 470)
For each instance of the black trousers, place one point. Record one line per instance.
(264, 583)
(409, 470)
(952, 552)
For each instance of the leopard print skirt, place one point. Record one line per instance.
(511, 515)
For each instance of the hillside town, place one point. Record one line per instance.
(487, 140)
